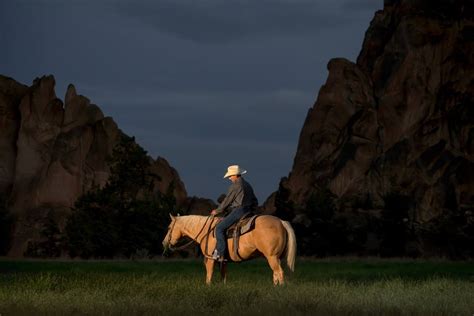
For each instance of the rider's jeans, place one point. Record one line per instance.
(230, 219)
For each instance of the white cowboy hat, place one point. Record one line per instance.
(234, 170)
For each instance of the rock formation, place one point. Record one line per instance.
(398, 123)
(51, 153)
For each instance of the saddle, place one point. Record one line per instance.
(244, 225)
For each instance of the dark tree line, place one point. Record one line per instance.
(328, 226)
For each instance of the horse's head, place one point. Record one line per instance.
(174, 232)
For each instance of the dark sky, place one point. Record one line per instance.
(202, 83)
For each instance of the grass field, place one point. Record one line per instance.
(318, 287)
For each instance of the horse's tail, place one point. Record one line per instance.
(290, 251)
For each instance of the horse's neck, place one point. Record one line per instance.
(194, 225)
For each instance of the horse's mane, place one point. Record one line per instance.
(193, 222)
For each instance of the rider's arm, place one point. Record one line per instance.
(229, 198)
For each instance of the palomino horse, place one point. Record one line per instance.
(271, 237)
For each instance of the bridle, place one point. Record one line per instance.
(170, 232)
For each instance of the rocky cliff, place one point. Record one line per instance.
(395, 130)
(52, 152)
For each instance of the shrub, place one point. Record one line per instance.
(51, 243)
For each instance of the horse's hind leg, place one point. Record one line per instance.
(278, 275)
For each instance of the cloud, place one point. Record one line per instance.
(215, 21)
(265, 116)
(203, 83)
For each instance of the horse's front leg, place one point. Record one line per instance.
(209, 263)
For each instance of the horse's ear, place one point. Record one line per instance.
(171, 216)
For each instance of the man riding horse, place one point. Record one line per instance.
(270, 237)
(240, 200)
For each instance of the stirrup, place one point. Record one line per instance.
(217, 257)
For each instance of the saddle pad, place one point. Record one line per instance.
(245, 225)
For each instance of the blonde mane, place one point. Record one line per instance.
(192, 224)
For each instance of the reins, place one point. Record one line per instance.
(192, 240)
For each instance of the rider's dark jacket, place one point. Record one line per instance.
(240, 194)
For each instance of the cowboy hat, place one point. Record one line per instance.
(234, 170)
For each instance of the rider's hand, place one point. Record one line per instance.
(214, 212)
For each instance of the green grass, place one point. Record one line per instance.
(318, 287)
